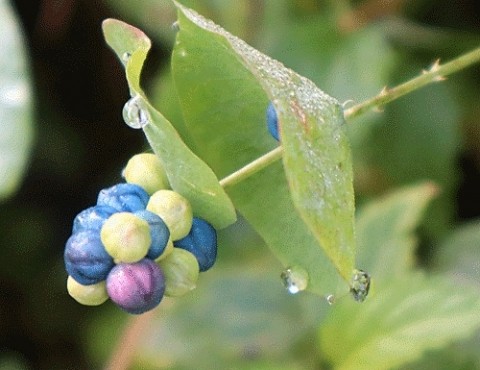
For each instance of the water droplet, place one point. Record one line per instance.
(135, 114)
(176, 26)
(125, 57)
(360, 285)
(330, 299)
(295, 279)
(182, 53)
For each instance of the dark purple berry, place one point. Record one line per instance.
(92, 218)
(201, 241)
(86, 260)
(158, 231)
(124, 197)
(136, 287)
(272, 121)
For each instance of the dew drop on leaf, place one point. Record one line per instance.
(360, 285)
(294, 279)
(125, 57)
(330, 299)
(135, 114)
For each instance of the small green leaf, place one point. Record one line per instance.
(385, 230)
(316, 154)
(188, 174)
(16, 132)
(460, 252)
(404, 319)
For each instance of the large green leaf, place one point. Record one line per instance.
(405, 318)
(385, 230)
(187, 173)
(240, 310)
(223, 86)
(16, 131)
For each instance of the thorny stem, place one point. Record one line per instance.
(436, 73)
(123, 354)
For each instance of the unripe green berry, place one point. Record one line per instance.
(88, 295)
(146, 170)
(166, 252)
(181, 272)
(175, 210)
(126, 237)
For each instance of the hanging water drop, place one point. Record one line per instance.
(360, 285)
(330, 299)
(294, 279)
(125, 57)
(135, 114)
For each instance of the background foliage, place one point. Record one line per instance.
(351, 50)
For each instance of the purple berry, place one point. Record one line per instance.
(158, 231)
(136, 287)
(86, 260)
(92, 218)
(272, 121)
(124, 197)
(201, 241)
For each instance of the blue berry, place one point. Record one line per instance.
(272, 121)
(86, 260)
(201, 241)
(136, 287)
(92, 218)
(158, 231)
(124, 197)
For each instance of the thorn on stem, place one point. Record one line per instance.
(434, 69)
(385, 91)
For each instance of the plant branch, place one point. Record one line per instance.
(436, 73)
(253, 167)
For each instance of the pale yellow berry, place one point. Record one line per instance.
(126, 237)
(88, 295)
(175, 211)
(181, 272)
(146, 170)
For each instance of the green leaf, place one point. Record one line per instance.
(224, 102)
(385, 230)
(240, 310)
(188, 174)
(16, 113)
(460, 252)
(395, 326)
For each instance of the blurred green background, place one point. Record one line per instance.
(351, 49)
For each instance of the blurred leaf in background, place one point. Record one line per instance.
(16, 106)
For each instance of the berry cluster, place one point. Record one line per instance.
(138, 243)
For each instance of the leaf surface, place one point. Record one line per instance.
(188, 174)
(403, 320)
(224, 97)
(385, 230)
